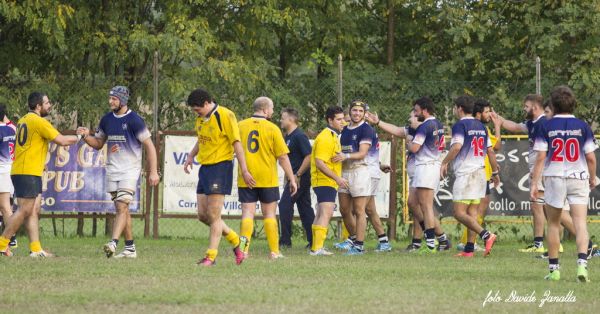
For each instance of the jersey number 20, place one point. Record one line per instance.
(568, 149)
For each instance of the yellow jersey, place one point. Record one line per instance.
(263, 143)
(488, 166)
(326, 145)
(33, 135)
(216, 134)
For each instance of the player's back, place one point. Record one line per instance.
(472, 134)
(33, 135)
(430, 135)
(533, 130)
(263, 143)
(567, 140)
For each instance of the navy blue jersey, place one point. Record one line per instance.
(351, 138)
(533, 131)
(299, 146)
(430, 135)
(124, 135)
(472, 135)
(567, 140)
(7, 146)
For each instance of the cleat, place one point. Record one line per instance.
(127, 254)
(533, 249)
(543, 256)
(560, 249)
(320, 252)
(412, 248)
(426, 250)
(478, 248)
(444, 246)
(590, 251)
(110, 248)
(464, 254)
(240, 251)
(554, 276)
(345, 245)
(6, 253)
(460, 247)
(206, 262)
(354, 251)
(274, 255)
(582, 274)
(383, 247)
(41, 253)
(489, 244)
(596, 253)
(13, 244)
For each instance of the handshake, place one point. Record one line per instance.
(82, 132)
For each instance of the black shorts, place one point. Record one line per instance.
(325, 194)
(216, 178)
(264, 195)
(26, 186)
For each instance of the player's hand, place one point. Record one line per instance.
(443, 170)
(342, 183)
(250, 182)
(533, 192)
(188, 165)
(496, 119)
(154, 178)
(496, 180)
(592, 182)
(413, 122)
(372, 117)
(338, 158)
(385, 168)
(83, 131)
(293, 187)
(297, 178)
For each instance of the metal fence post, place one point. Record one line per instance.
(538, 75)
(340, 81)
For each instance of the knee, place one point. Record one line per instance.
(203, 217)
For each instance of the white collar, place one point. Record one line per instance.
(430, 118)
(467, 117)
(121, 115)
(564, 116)
(538, 118)
(352, 128)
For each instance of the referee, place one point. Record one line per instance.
(299, 155)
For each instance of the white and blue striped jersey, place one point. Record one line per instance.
(567, 140)
(472, 135)
(7, 146)
(430, 135)
(533, 129)
(351, 138)
(124, 135)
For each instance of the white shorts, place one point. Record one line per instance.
(374, 185)
(427, 176)
(6, 185)
(470, 186)
(358, 181)
(559, 190)
(114, 186)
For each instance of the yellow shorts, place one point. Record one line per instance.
(469, 202)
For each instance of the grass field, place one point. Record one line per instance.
(165, 279)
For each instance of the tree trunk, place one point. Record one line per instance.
(391, 25)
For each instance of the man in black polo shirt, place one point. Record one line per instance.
(299, 155)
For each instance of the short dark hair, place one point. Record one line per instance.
(535, 98)
(465, 102)
(34, 99)
(2, 112)
(292, 113)
(480, 105)
(425, 103)
(563, 100)
(198, 97)
(332, 111)
(547, 104)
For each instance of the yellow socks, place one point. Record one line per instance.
(345, 233)
(233, 238)
(4, 243)
(319, 235)
(272, 234)
(211, 254)
(35, 246)
(246, 230)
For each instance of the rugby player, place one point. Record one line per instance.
(7, 155)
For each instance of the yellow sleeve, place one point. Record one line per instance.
(46, 130)
(323, 148)
(280, 148)
(231, 128)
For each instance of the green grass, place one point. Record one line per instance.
(165, 279)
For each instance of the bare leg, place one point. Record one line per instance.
(346, 210)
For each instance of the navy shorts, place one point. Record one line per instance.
(216, 178)
(325, 194)
(264, 195)
(26, 186)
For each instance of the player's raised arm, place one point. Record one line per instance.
(373, 118)
(95, 142)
